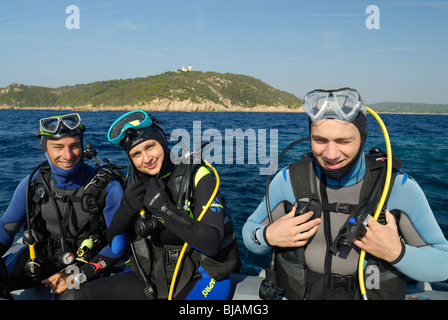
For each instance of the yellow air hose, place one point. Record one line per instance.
(382, 199)
(32, 252)
(32, 267)
(184, 248)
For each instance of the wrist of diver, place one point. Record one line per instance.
(265, 238)
(400, 256)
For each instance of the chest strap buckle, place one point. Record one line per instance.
(343, 207)
(339, 282)
(170, 256)
(60, 196)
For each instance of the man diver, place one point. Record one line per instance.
(314, 204)
(67, 206)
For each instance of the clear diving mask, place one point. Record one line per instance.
(341, 104)
(51, 125)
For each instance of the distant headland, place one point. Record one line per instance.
(181, 90)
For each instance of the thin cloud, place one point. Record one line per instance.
(314, 18)
(119, 48)
(399, 49)
(430, 4)
(385, 50)
(128, 24)
(25, 38)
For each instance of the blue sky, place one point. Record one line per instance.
(293, 45)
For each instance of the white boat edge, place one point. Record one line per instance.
(244, 287)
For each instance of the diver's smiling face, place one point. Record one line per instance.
(66, 152)
(147, 157)
(334, 143)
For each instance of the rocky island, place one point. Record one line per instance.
(190, 91)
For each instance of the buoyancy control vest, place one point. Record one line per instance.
(158, 260)
(292, 271)
(62, 219)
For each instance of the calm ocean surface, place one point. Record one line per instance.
(420, 140)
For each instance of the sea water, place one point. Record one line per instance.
(420, 140)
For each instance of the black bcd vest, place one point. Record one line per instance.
(158, 261)
(89, 201)
(291, 271)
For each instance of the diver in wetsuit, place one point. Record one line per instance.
(335, 180)
(58, 221)
(156, 236)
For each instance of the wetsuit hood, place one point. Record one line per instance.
(353, 176)
(69, 179)
(135, 137)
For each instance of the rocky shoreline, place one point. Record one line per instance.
(169, 106)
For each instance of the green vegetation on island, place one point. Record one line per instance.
(223, 89)
(207, 91)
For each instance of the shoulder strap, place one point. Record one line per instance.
(375, 160)
(184, 179)
(38, 192)
(94, 197)
(375, 164)
(178, 184)
(200, 173)
(41, 189)
(300, 173)
(304, 185)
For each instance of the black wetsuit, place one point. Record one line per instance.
(206, 238)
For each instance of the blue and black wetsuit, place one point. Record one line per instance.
(65, 181)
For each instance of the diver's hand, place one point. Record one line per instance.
(131, 204)
(291, 231)
(155, 195)
(57, 282)
(133, 196)
(160, 206)
(381, 241)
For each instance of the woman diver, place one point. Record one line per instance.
(157, 233)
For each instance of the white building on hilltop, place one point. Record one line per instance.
(185, 69)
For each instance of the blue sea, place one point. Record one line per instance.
(420, 140)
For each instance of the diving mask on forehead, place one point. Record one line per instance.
(341, 104)
(51, 125)
(135, 119)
